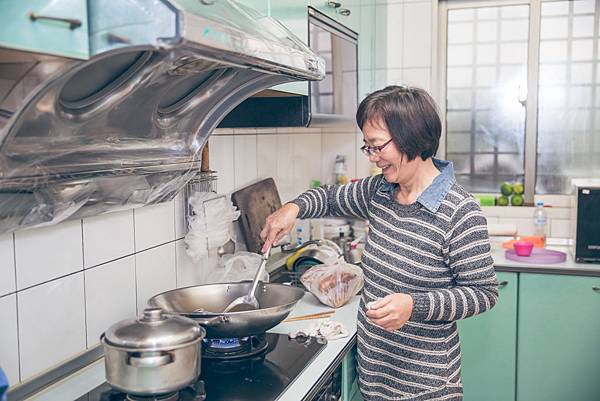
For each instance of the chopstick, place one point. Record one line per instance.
(319, 315)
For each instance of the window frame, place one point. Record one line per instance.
(533, 51)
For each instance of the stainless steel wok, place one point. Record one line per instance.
(205, 303)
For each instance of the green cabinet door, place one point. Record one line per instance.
(559, 338)
(53, 27)
(488, 347)
(350, 391)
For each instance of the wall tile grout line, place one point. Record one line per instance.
(85, 317)
(135, 264)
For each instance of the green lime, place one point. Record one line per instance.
(506, 188)
(518, 188)
(502, 201)
(516, 200)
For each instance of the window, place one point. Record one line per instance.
(494, 131)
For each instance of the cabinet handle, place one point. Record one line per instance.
(73, 23)
(207, 2)
(334, 4)
(596, 289)
(502, 284)
(345, 12)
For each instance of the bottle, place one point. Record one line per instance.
(339, 171)
(540, 221)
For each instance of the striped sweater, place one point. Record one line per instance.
(437, 250)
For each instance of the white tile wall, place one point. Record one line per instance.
(107, 237)
(51, 323)
(221, 160)
(47, 253)
(7, 265)
(285, 169)
(417, 35)
(109, 296)
(245, 160)
(266, 155)
(419, 77)
(189, 271)
(154, 225)
(394, 35)
(9, 343)
(180, 218)
(338, 144)
(155, 273)
(307, 149)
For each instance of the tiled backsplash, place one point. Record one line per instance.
(62, 286)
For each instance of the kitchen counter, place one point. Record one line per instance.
(568, 267)
(74, 386)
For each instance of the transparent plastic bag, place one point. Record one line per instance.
(241, 266)
(335, 283)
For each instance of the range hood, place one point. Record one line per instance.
(126, 127)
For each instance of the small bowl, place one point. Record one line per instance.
(523, 248)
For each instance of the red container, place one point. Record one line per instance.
(523, 248)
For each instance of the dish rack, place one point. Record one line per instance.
(204, 181)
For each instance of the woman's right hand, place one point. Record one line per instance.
(279, 224)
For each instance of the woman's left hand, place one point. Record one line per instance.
(392, 311)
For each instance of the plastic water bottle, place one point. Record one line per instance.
(540, 221)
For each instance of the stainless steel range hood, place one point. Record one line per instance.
(125, 128)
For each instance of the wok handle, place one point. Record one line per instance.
(150, 361)
(213, 321)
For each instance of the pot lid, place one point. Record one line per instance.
(154, 330)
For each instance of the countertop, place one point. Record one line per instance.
(568, 267)
(88, 378)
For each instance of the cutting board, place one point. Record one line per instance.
(255, 202)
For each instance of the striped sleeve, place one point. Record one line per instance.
(468, 255)
(338, 200)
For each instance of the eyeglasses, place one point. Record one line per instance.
(373, 150)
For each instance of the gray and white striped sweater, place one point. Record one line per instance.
(440, 256)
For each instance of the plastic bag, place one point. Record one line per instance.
(210, 225)
(241, 266)
(333, 284)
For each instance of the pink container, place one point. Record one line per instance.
(523, 248)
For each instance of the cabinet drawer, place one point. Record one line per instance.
(57, 27)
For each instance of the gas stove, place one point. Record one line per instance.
(241, 369)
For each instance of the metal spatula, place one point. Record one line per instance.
(249, 301)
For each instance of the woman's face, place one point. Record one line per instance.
(394, 165)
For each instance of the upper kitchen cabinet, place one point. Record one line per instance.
(58, 27)
(559, 346)
(346, 12)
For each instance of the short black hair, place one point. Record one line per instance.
(410, 115)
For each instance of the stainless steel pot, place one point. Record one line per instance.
(152, 355)
(205, 303)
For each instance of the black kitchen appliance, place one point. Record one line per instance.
(244, 369)
(586, 221)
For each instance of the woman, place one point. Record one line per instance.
(427, 257)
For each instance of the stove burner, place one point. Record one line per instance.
(233, 348)
(194, 392)
(164, 397)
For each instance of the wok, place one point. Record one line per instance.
(204, 304)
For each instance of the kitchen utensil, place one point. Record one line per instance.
(249, 301)
(276, 302)
(319, 315)
(255, 203)
(523, 248)
(152, 355)
(538, 255)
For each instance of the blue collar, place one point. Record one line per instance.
(433, 195)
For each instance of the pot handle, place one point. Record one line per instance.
(213, 321)
(150, 361)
